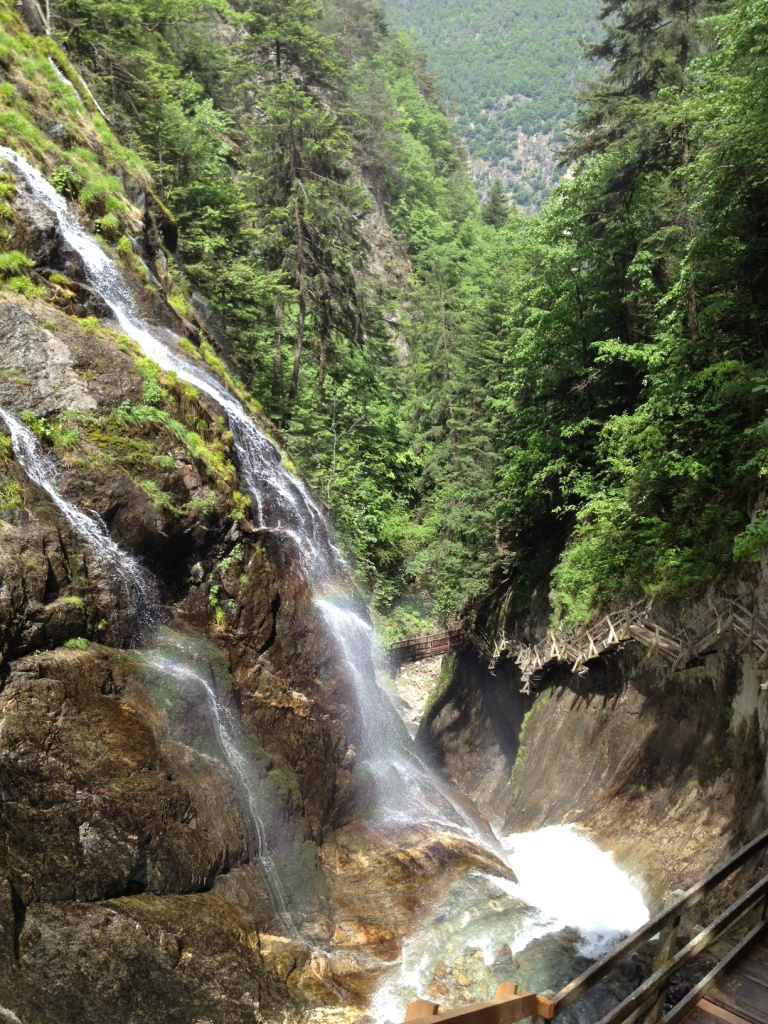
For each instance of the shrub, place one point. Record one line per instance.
(77, 643)
(109, 227)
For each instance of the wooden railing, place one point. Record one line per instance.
(430, 646)
(649, 996)
(577, 647)
(747, 916)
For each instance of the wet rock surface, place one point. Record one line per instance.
(471, 732)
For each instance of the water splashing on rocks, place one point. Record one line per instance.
(181, 660)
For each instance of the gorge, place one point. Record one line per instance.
(211, 808)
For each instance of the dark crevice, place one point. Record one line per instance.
(19, 918)
(273, 632)
(51, 586)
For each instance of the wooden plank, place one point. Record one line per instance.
(702, 987)
(717, 1013)
(742, 996)
(754, 973)
(757, 956)
(497, 1011)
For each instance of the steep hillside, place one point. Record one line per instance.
(189, 786)
(511, 74)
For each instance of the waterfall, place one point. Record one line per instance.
(60, 74)
(178, 659)
(409, 794)
(282, 501)
(409, 791)
(132, 580)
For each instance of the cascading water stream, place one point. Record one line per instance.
(409, 794)
(132, 579)
(178, 660)
(282, 501)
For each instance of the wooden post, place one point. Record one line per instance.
(664, 950)
(545, 1009)
(507, 989)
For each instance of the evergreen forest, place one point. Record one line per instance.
(491, 405)
(511, 72)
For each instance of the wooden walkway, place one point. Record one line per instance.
(431, 646)
(681, 649)
(741, 997)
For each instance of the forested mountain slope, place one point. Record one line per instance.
(511, 73)
(479, 398)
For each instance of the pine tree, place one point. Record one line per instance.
(496, 207)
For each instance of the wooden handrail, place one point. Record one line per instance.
(431, 645)
(599, 970)
(426, 638)
(632, 623)
(649, 990)
(509, 1006)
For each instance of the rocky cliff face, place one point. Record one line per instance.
(668, 769)
(130, 878)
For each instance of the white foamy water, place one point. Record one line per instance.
(571, 882)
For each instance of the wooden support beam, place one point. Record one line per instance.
(420, 1008)
(496, 1011)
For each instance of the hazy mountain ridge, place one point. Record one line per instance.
(511, 74)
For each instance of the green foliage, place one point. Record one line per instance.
(77, 643)
(13, 263)
(66, 181)
(10, 495)
(109, 227)
(159, 498)
(505, 68)
(153, 392)
(54, 433)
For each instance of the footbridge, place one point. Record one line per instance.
(680, 985)
(432, 645)
(681, 648)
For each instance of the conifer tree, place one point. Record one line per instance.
(496, 206)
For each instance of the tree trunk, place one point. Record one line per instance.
(444, 332)
(294, 388)
(302, 304)
(277, 355)
(35, 17)
(321, 364)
